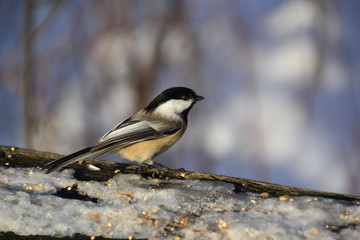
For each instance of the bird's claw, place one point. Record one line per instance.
(158, 168)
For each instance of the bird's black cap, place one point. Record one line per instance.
(173, 93)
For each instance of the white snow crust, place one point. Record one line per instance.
(132, 206)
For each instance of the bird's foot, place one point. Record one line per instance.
(163, 168)
(160, 169)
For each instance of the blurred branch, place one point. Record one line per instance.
(146, 77)
(321, 42)
(324, 45)
(49, 18)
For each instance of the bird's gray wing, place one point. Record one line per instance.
(124, 123)
(130, 132)
(126, 133)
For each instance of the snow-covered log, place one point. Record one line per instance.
(126, 202)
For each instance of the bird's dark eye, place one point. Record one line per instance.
(184, 98)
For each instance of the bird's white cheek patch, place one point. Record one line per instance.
(172, 108)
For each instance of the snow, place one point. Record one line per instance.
(133, 206)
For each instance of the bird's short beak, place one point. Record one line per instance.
(199, 98)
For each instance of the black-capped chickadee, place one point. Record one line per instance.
(146, 134)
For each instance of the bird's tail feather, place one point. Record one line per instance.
(62, 162)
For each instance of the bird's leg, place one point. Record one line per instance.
(152, 163)
(160, 167)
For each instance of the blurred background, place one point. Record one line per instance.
(280, 78)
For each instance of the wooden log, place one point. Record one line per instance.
(25, 158)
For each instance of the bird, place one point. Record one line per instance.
(144, 135)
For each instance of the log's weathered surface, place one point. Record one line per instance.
(25, 158)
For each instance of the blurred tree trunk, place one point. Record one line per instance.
(27, 87)
(31, 100)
